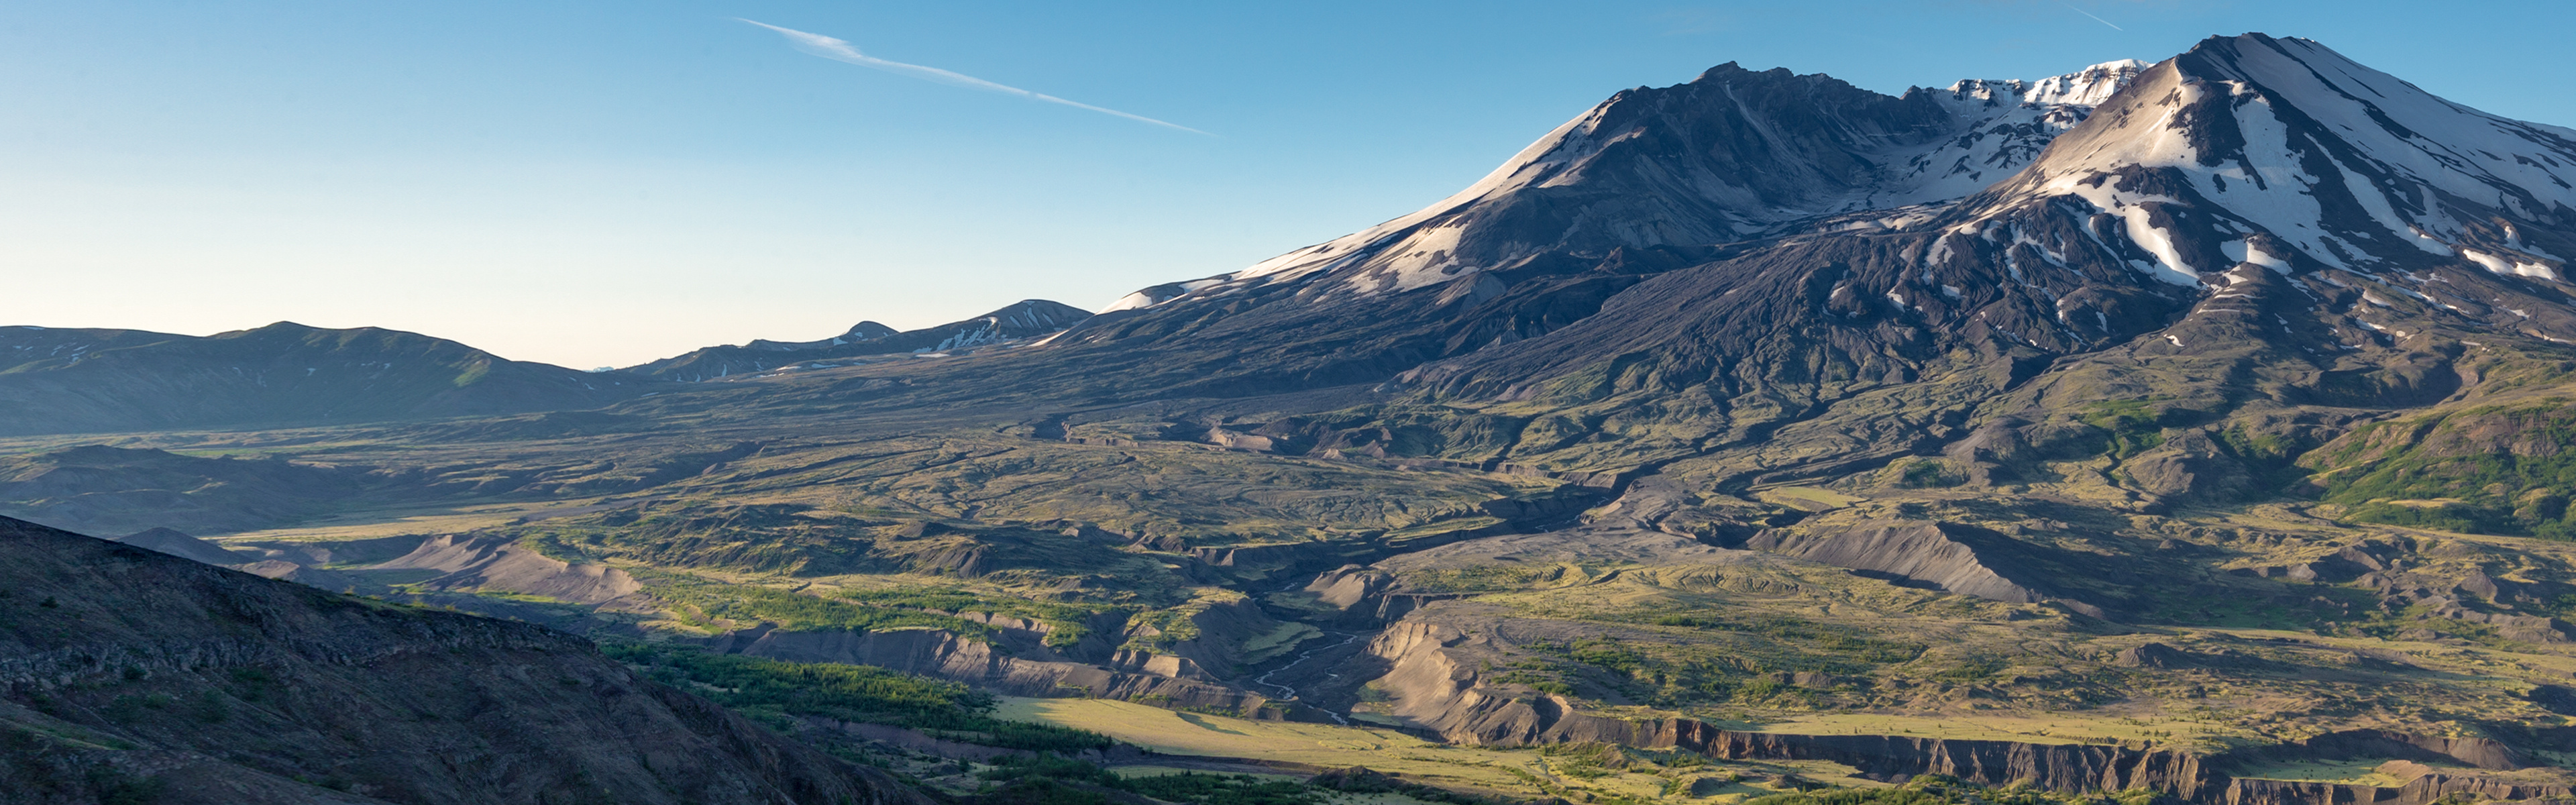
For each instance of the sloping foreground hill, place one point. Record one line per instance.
(126, 673)
(85, 381)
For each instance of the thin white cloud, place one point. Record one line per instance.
(2095, 19)
(840, 50)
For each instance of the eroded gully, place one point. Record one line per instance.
(1290, 694)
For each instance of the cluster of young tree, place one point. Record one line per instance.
(860, 693)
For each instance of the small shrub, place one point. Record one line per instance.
(1926, 474)
(213, 708)
(123, 708)
(119, 788)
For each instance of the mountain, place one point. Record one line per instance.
(1026, 319)
(84, 381)
(2260, 230)
(1729, 156)
(135, 676)
(2259, 235)
(1651, 180)
(2280, 152)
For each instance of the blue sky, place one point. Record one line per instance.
(598, 183)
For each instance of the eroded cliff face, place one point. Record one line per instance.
(1363, 596)
(120, 666)
(1439, 679)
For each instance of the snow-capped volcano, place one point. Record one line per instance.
(2334, 161)
(1767, 225)
(1732, 155)
(2275, 153)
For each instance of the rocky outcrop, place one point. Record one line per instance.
(2155, 655)
(123, 669)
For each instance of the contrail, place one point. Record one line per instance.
(840, 50)
(2069, 8)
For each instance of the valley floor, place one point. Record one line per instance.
(1240, 605)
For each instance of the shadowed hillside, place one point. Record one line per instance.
(134, 676)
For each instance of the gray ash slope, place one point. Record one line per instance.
(76, 380)
(1025, 319)
(119, 664)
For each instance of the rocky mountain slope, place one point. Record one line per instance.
(81, 381)
(1730, 156)
(131, 675)
(1649, 181)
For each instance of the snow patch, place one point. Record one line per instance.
(2500, 264)
(2245, 251)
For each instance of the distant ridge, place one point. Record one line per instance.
(88, 381)
(1025, 319)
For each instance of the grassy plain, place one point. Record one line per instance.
(1601, 772)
